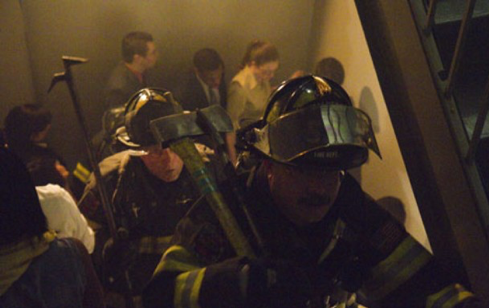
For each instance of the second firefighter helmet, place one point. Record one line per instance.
(144, 106)
(310, 122)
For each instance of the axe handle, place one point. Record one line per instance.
(208, 187)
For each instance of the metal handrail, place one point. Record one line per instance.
(430, 17)
(459, 47)
(466, 145)
(479, 125)
(454, 65)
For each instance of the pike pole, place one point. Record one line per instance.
(67, 76)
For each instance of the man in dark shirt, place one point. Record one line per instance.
(139, 54)
(204, 85)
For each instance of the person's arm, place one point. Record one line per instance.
(411, 275)
(90, 204)
(202, 270)
(181, 280)
(236, 101)
(403, 271)
(230, 145)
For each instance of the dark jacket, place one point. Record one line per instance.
(146, 207)
(62, 276)
(121, 85)
(191, 95)
(356, 247)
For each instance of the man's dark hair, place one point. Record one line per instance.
(135, 43)
(21, 214)
(23, 121)
(207, 59)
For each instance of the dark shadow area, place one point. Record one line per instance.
(368, 103)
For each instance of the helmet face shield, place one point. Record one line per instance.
(321, 136)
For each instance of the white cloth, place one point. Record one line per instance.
(63, 215)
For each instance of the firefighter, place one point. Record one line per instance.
(151, 191)
(322, 239)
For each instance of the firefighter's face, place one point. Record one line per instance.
(302, 196)
(162, 163)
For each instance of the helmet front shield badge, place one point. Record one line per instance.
(335, 137)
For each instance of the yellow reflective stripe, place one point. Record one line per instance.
(194, 295)
(82, 169)
(80, 176)
(151, 244)
(177, 259)
(457, 299)
(403, 263)
(179, 288)
(187, 289)
(81, 173)
(448, 297)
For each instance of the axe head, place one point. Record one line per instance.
(171, 128)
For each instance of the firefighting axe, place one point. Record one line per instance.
(175, 131)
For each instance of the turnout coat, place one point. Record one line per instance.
(356, 249)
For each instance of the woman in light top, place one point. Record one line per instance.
(250, 88)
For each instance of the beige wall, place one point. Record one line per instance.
(39, 32)
(338, 33)
(94, 29)
(15, 71)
